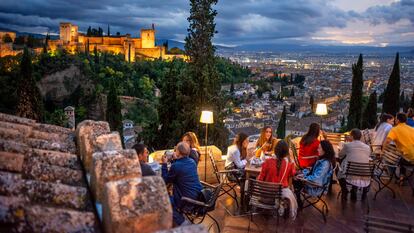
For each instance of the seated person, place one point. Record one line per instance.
(320, 174)
(403, 136)
(308, 146)
(354, 151)
(266, 143)
(236, 153)
(280, 170)
(191, 139)
(410, 117)
(381, 131)
(142, 153)
(183, 175)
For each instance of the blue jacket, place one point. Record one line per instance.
(183, 175)
(410, 122)
(321, 175)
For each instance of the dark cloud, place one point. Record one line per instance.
(238, 22)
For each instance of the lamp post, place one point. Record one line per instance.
(321, 110)
(206, 118)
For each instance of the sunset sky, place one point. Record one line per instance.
(239, 22)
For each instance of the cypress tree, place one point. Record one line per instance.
(281, 128)
(292, 92)
(369, 118)
(311, 102)
(30, 104)
(89, 31)
(355, 104)
(392, 92)
(113, 109)
(232, 86)
(109, 32)
(412, 101)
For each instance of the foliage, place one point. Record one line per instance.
(355, 104)
(176, 50)
(392, 91)
(281, 127)
(57, 117)
(113, 109)
(369, 117)
(30, 103)
(231, 72)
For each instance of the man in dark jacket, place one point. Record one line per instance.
(142, 153)
(183, 175)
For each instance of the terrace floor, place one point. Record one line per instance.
(343, 216)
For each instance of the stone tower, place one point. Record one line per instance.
(68, 32)
(70, 114)
(148, 38)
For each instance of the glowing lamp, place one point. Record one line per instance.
(321, 110)
(206, 118)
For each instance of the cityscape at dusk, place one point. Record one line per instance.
(206, 116)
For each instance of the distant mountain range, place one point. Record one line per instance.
(277, 47)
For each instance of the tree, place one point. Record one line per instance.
(392, 91)
(311, 102)
(89, 31)
(113, 109)
(30, 103)
(109, 32)
(202, 67)
(292, 108)
(292, 92)
(281, 128)
(369, 118)
(232, 87)
(355, 104)
(412, 101)
(46, 43)
(7, 38)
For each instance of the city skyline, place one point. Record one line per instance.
(370, 23)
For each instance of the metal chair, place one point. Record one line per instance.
(227, 178)
(386, 167)
(264, 196)
(358, 170)
(376, 224)
(196, 210)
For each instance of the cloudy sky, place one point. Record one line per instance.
(301, 22)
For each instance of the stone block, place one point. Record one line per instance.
(36, 170)
(86, 134)
(53, 129)
(25, 130)
(186, 229)
(16, 119)
(56, 158)
(18, 215)
(111, 166)
(11, 134)
(136, 205)
(13, 146)
(50, 145)
(11, 161)
(106, 142)
(49, 136)
(54, 194)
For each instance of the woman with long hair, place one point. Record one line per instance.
(381, 131)
(320, 174)
(236, 153)
(266, 143)
(308, 149)
(280, 170)
(191, 139)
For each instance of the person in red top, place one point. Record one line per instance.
(309, 144)
(278, 170)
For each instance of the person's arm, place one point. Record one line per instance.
(168, 176)
(235, 158)
(342, 153)
(390, 137)
(318, 173)
(263, 172)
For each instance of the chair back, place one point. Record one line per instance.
(391, 155)
(335, 138)
(212, 202)
(367, 136)
(294, 150)
(360, 169)
(264, 194)
(214, 165)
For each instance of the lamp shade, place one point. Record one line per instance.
(321, 109)
(206, 117)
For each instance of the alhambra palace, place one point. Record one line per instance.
(73, 41)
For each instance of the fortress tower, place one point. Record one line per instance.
(148, 38)
(68, 32)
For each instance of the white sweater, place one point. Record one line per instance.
(233, 156)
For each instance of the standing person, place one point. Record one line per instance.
(308, 149)
(403, 136)
(354, 151)
(320, 174)
(266, 143)
(142, 153)
(183, 175)
(381, 131)
(191, 139)
(280, 170)
(410, 117)
(236, 153)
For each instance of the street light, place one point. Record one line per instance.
(321, 110)
(206, 118)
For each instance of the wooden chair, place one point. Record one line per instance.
(358, 170)
(376, 224)
(335, 138)
(196, 210)
(386, 167)
(264, 196)
(227, 178)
